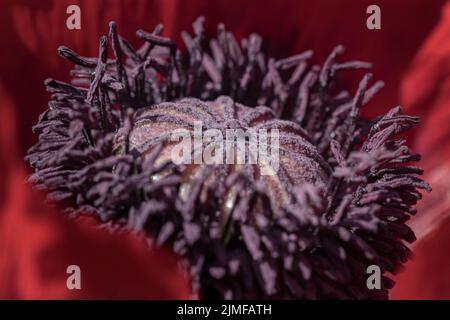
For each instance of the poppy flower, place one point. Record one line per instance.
(286, 35)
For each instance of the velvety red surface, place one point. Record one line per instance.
(411, 53)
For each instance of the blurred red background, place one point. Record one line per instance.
(411, 53)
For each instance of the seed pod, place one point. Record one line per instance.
(337, 203)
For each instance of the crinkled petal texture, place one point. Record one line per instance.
(337, 204)
(426, 92)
